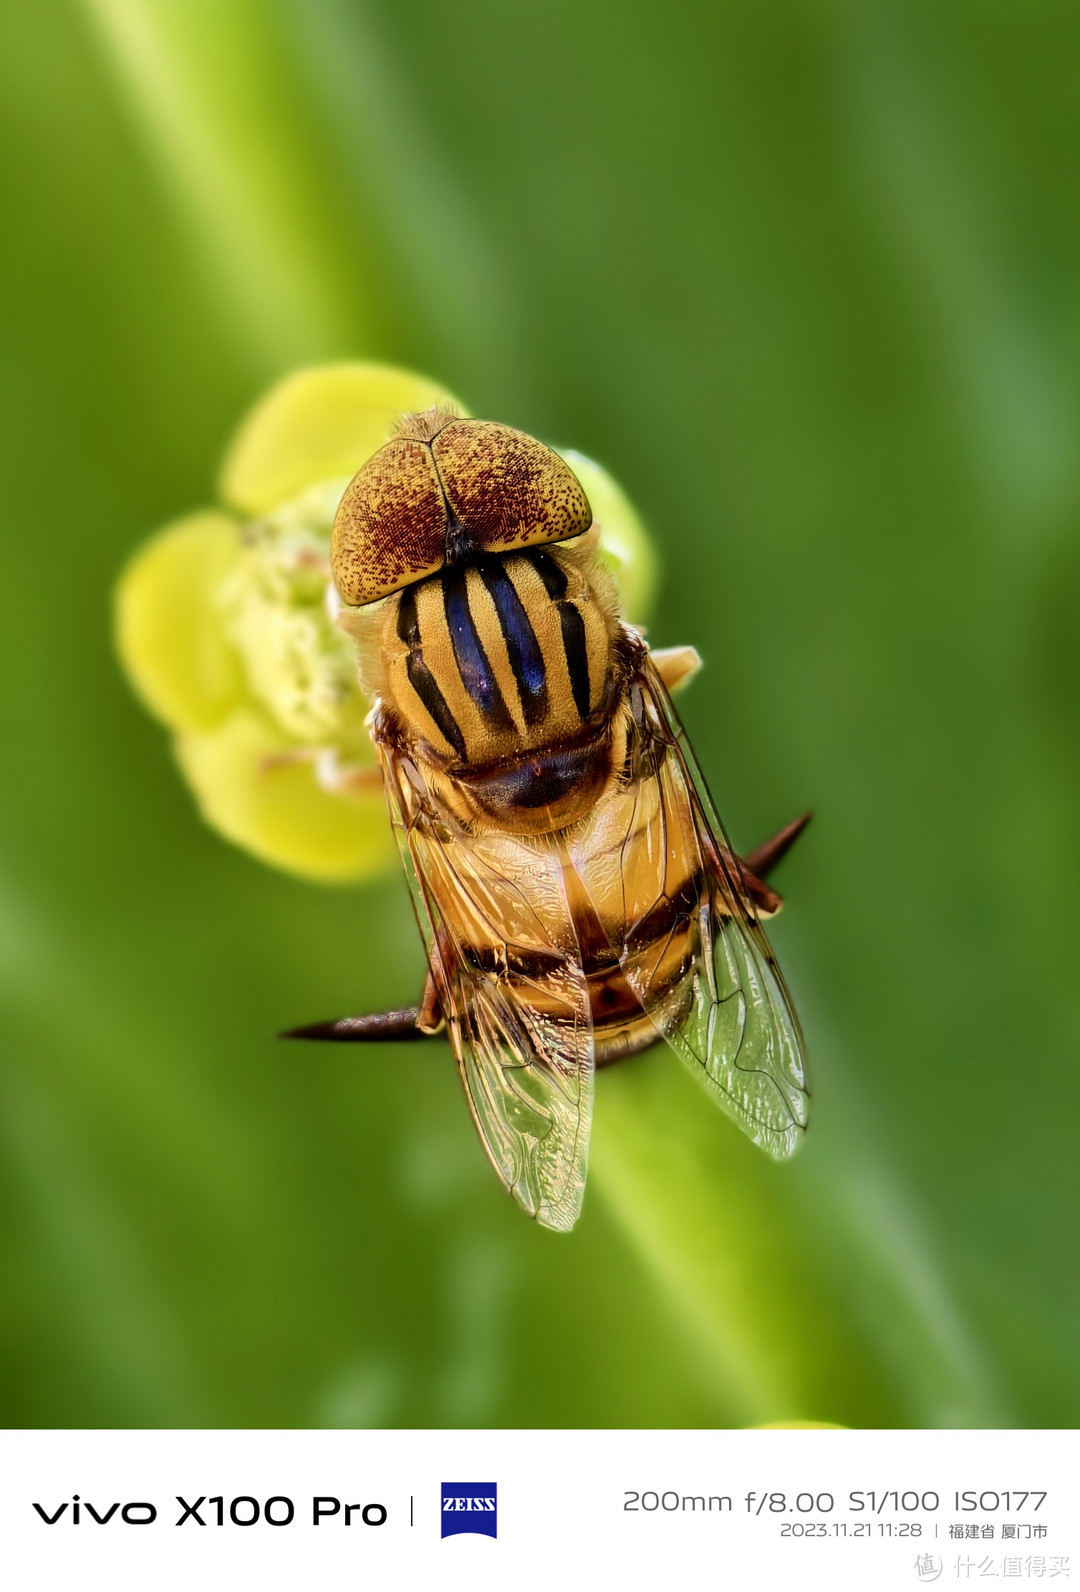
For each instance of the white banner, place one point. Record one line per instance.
(551, 1510)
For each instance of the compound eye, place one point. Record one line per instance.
(444, 489)
(390, 527)
(505, 489)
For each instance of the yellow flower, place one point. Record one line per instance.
(224, 628)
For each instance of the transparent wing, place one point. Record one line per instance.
(504, 956)
(729, 1015)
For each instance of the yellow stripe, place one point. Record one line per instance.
(486, 619)
(562, 716)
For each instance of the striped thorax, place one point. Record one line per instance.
(499, 676)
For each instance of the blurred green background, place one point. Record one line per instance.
(805, 278)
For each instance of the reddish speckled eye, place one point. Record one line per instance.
(444, 488)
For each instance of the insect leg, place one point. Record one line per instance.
(356, 1030)
(429, 1019)
(412, 1022)
(762, 861)
(751, 870)
(676, 666)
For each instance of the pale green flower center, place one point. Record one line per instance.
(299, 666)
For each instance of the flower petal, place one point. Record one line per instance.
(261, 792)
(318, 424)
(624, 541)
(170, 632)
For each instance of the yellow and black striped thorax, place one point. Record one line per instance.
(500, 655)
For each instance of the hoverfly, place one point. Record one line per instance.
(575, 890)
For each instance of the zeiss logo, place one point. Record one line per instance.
(470, 1506)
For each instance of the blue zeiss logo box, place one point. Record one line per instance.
(470, 1506)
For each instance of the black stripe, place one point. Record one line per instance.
(426, 687)
(408, 625)
(522, 647)
(577, 656)
(420, 676)
(477, 675)
(552, 576)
